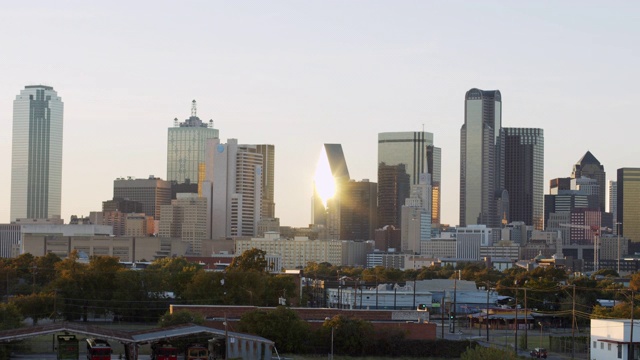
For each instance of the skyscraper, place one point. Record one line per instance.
(331, 174)
(358, 200)
(152, 193)
(481, 159)
(393, 190)
(524, 175)
(36, 166)
(233, 186)
(588, 166)
(415, 150)
(629, 203)
(268, 166)
(186, 148)
(613, 204)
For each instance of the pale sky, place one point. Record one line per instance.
(298, 74)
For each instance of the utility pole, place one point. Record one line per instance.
(526, 317)
(455, 290)
(487, 320)
(618, 231)
(631, 346)
(573, 323)
(515, 346)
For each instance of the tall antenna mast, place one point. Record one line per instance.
(194, 108)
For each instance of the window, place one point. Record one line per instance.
(619, 351)
(609, 346)
(601, 346)
(594, 345)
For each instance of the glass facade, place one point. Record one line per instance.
(36, 169)
(481, 158)
(414, 150)
(629, 203)
(524, 175)
(186, 146)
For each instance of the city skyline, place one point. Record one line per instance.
(298, 76)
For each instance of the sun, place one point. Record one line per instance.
(325, 183)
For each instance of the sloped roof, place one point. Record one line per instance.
(140, 336)
(588, 158)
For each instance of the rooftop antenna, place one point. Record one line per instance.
(194, 108)
(422, 127)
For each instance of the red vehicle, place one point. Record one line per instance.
(163, 350)
(98, 349)
(197, 352)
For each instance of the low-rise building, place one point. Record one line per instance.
(612, 338)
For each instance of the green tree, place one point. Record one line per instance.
(250, 260)
(35, 306)
(180, 317)
(10, 318)
(206, 288)
(175, 273)
(70, 285)
(352, 336)
(281, 325)
(137, 296)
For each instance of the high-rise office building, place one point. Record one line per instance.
(152, 193)
(524, 175)
(36, 163)
(588, 166)
(358, 200)
(416, 216)
(629, 203)
(268, 166)
(415, 150)
(331, 174)
(233, 186)
(482, 193)
(186, 218)
(393, 189)
(613, 204)
(186, 148)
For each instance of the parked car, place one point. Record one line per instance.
(539, 353)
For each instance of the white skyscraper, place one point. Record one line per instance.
(36, 166)
(233, 183)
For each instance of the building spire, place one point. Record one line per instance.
(194, 108)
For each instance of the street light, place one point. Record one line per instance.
(540, 323)
(327, 319)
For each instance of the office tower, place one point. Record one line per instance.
(123, 205)
(586, 218)
(416, 216)
(331, 174)
(434, 167)
(558, 184)
(268, 166)
(613, 204)
(629, 203)
(233, 184)
(393, 189)
(415, 150)
(588, 166)
(482, 192)
(151, 193)
(186, 148)
(358, 210)
(36, 162)
(524, 175)
(185, 218)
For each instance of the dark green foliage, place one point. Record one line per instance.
(281, 325)
(490, 353)
(180, 317)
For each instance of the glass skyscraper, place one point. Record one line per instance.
(629, 203)
(482, 159)
(414, 150)
(36, 163)
(524, 175)
(186, 148)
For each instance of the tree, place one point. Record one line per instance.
(250, 260)
(180, 317)
(35, 306)
(282, 325)
(70, 285)
(352, 336)
(206, 288)
(175, 273)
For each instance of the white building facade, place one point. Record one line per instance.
(610, 339)
(36, 159)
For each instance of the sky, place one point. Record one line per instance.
(298, 74)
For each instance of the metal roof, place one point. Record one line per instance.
(123, 336)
